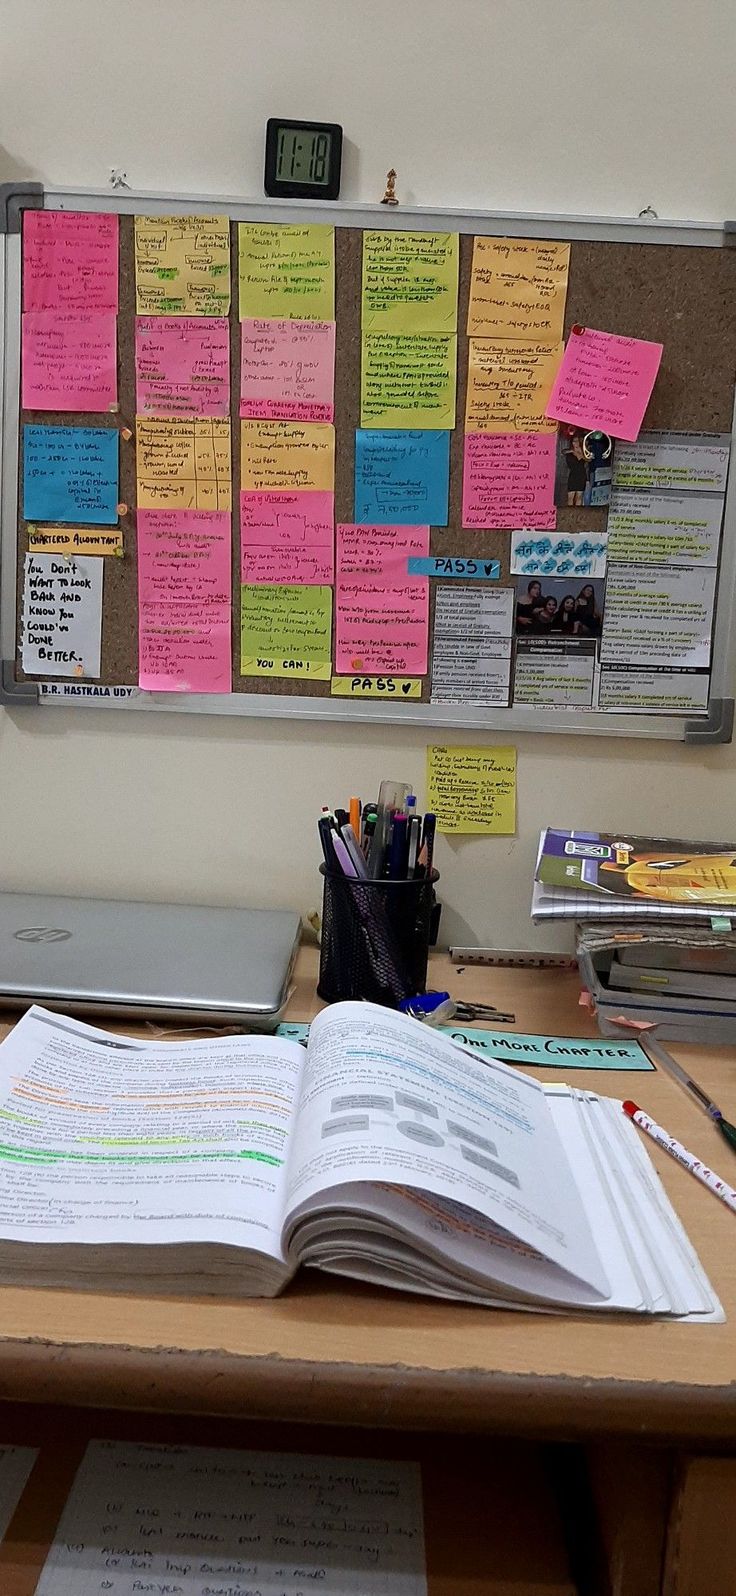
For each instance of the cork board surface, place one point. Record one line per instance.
(682, 296)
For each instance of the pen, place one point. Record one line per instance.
(398, 848)
(342, 817)
(353, 846)
(659, 1055)
(415, 827)
(344, 860)
(326, 836)
(428, 831)
(696, 1167)
(355, 815)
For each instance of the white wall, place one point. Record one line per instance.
(517, 104)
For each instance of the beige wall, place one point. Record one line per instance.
(514, 104)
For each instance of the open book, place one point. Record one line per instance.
(381, 1151)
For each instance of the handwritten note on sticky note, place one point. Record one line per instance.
(287, 269)
(379, 551)
(472, 790)
(396, 687)
(70, 260)
(410, 282)
(509, 385)
(69, 360)
(402, 477)
(509, 479)
(184, 598)
(75, 540)
(183, 464)
(381, 628)
(70, 474)
(182, 265)
(287, 370)
(605, 382)
(286, 631)
(518, 289)
(182, 366)
(62, 616)
(287, 537)
(280, 456)
(408, 380)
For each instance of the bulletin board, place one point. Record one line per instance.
(644, 279)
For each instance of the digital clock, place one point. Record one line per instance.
(303, 159)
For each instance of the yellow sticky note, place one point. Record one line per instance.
(410, 282)
(280, 456)
(183, 464)
(472, 789)
(286, 631)
(75, 540)
(408, 380)
(395, 687)
(287, 269)
(182, 265)
(509, 385)
(518, 289)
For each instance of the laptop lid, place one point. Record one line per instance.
(146, 960)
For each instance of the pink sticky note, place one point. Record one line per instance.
(287, 538)
(509, 480)
(69, 360)
(184, 600)
(182, 366)
(287, 370)
(605, 382)
(381, 628)
(379, 551)
(70, 260)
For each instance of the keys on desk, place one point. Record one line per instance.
(438, 1008)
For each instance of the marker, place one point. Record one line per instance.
(415, 826)
(696, 1167)
(428, 831)
(398, 849)
(355, 815)
(326, 835)
(343, 857)
(351, 843)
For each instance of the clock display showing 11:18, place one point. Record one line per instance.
(303, 159)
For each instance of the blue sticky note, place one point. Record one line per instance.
(71, 474)
(401, 478)
(447, 565)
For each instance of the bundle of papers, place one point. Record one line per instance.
(600, 875)
(381, 1151)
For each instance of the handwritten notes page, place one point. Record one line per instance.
(205, 1521)
(692, 462)
(509, 479)
(509, 385)
(518, 289)
(184, 601)
(70, 261)
(283, 456)
(408, 380)
(62, 616)
(286, 631)
(402, 477)
(182, 366)
(69, 360)
(287, 537)
(287, 370)
(287, 269)
(183, 465)
(410, 282)
(605, 382)
(382, 614)
(70, 474)
(471, 651)
(665, 528)
(472, 790)
(182, 265)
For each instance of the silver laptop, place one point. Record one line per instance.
(145, 960)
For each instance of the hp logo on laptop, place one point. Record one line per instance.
(42, 933)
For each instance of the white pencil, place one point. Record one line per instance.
(706, 1176)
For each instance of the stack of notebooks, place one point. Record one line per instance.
(654, 935)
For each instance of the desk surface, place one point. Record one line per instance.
(324, 1353)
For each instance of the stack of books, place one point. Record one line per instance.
(654, 936)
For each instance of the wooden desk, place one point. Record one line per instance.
(329, 1354)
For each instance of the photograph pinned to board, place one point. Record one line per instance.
(557, 608)
(583, 467)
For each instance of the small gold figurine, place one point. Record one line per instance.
(389, 197)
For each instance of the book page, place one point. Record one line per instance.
(387, 1099)
(106, 1139)
(16, 1463)
(203, 1521)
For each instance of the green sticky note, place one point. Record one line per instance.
(720, 922)
(287, 270)
(410, 282)
(286, 631)
(408, 380)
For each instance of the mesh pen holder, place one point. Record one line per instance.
(375, 938)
